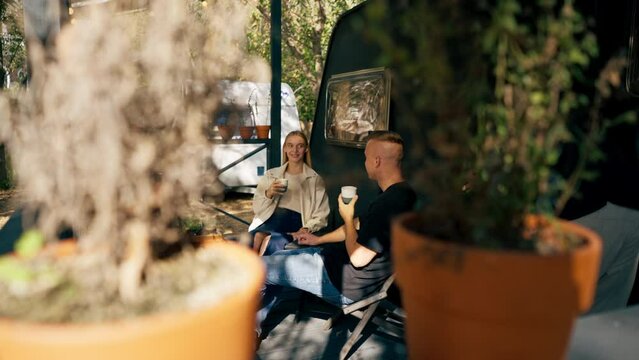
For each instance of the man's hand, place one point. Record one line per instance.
(308, 239)
(347, 211)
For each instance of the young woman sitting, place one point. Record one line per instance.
(288, 199)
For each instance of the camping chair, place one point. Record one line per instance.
(376, 308)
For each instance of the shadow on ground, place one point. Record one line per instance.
(296, 331)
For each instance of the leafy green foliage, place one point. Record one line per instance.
(12, 44)
(493, 99)
(14, 270)
(191, 225)
(306, 30)
(12, 63)
(30, 243)
(19, 270)
(24, 277)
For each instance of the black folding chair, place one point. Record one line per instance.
(375, 308)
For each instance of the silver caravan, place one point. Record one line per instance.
(251, 103)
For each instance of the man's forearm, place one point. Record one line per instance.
(336, 235)
(359, 255)
(350, 237)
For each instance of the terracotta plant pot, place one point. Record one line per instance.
(262, 131)
(208, 240)
(225, 330)
(226, 131)
(463, 302)
(63, 248)
(246, 132)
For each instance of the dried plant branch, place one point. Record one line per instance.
(110, 138)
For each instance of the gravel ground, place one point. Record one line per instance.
(239, 205)
(234, 203)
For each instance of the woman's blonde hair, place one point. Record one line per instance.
(307, 154)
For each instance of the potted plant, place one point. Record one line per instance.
(227, 123)
(110, 140)
(198, 231)
(247, 128)
(486, 269)
(262, 126)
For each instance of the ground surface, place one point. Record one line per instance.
(235, 204)
(239, 205)
(298, 333)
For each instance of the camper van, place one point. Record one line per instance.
(248, 104)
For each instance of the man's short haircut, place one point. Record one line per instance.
(387, 136)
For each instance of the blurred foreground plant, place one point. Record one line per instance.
(109, 139)
(492, 87)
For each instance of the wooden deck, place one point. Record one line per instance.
(307, 339)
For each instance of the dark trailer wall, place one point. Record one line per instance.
(348, 51)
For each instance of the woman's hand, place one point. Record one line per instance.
(276, 188)
(308, 239)
(299, 233)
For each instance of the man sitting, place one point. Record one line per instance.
(355, 263)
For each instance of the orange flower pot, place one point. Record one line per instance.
(208, 240)
(225, 330)
(262, 131)
(226, 131)
(464, 302)
(246, 132)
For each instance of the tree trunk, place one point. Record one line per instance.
(2, 72)
(5, 174)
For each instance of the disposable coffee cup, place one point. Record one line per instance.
(284, 182)
(348, 192)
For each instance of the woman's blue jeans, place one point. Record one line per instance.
(282, 222)
(301, 269)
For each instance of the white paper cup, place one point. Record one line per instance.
(283, 181)
(348, 192)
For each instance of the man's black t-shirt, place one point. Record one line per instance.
(374, 234)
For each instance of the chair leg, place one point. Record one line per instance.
(300, 307)
(330, 322)
(354, 308)
(368, 314)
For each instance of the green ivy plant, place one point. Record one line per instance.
(191, 225)
(491, 87)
